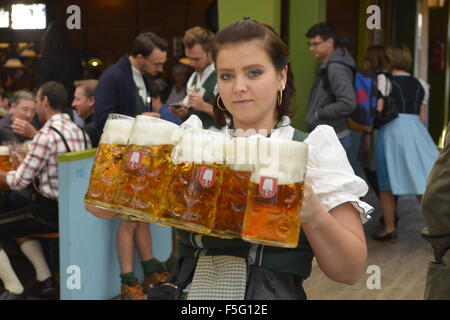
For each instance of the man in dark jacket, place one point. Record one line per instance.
(124, 88)
(84, 102)
(436, 213)
(332, 95)
(18, 126)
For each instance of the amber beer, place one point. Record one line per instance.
(108, 161)
(275, 195)
(5, 164)
(146, 169)
(232, 201)
(197, 181)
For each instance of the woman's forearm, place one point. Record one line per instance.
(340, 251)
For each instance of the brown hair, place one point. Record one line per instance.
(376, 59)
(198, 35)
(246, 30)
(399, 57)
(88, 86)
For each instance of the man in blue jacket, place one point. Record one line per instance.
(125, 89)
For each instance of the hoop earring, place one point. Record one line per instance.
(218, 104)
(279, 97)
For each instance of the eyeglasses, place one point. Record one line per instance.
(315, 44)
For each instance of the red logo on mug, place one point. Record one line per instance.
(134, 159)
(207, 177)
(268, 187)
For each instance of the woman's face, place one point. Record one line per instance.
(248, 83)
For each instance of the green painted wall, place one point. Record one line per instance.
(268, 11)
(302, 15)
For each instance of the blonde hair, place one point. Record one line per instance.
(87, 85)
(198, 35)
(399, 57)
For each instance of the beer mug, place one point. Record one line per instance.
(21, 149)
(107, 165)
(232, 200)
(146, 169)
(275, 194)
(197, 180)
(5, 164)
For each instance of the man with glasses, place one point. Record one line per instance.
(18, 126)
(331, 99)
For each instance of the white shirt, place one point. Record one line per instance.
(200, 81)
(139, 82)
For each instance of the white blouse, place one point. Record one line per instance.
(331, 175)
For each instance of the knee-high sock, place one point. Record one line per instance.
(33, 251)
(8, 276)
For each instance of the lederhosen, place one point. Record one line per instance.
(39, 215)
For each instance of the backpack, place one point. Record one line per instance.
(365, 86)
(390, 108)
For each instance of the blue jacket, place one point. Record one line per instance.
(116, 92)
(167, 114)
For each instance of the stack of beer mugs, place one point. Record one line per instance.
(146, 170)
(5, 164)
(107, 166)
(275, 193)
(199, 180)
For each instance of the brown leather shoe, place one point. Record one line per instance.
(155, 277)
(132, 292)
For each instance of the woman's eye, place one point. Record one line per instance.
(225, 76)
(254, 73)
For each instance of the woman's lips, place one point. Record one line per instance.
(241, 102)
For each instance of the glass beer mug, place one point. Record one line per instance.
(232, 200)
(5, 164)
(275, 195)
(146, 169)
(197, 180)
(108, 161)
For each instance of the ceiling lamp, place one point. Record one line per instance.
(436, 3)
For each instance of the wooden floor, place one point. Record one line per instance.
(403, 265)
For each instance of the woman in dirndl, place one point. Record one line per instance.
(405, 151)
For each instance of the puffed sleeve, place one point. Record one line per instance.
(331, 175)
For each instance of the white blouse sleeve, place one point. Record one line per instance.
(331, 175)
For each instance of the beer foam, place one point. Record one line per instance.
(117, 131)
(4, 151)
(241, 153)
(284, 160)
(200, 146)
(152, 131)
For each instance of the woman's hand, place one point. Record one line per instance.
(312, 207)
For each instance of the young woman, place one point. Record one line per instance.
(255, 90)
(405, 151)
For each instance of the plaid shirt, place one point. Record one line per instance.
(42, 159)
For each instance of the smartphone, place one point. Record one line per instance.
(176, 106)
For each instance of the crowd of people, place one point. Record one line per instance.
(239, 78)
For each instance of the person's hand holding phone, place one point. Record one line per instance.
(179, 110)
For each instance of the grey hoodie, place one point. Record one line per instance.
(323, 108)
